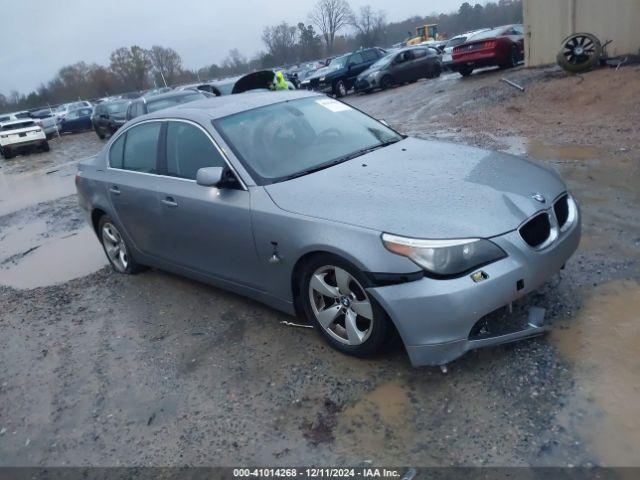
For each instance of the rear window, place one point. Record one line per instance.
(16, 126)
(494, 32)
(116, 107)
(154, 106)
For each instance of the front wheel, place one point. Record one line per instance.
(386, 82)
(340, 89)
(45, 147)
(116, 248)
(100, 135)
(334, 298)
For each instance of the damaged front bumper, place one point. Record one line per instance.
(439, 320)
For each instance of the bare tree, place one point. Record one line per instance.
(281, 42)
(131, 65)
(166, 63)
(330, 16)
(370, 25)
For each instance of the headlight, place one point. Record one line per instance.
(445, 257)
(322, 79)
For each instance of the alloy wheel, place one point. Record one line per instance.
(115, 247)
(340, 305)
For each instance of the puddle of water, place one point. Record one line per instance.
(56, 261)
(603, 344)
(20, 191)
(380, 417)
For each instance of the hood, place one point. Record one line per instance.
(424, 189)
(324, 71)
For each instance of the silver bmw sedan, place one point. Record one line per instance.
(316, 209)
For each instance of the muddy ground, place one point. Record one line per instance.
(104, 369)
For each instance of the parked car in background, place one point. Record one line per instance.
(78, 120)
(143, 105)
(156, 91)
(7, 117)
(340, 75)
(21, 136)
(109, 116)
(47, 120)
(500, 46)
(447, 53)
(62, 110)
(278, 206)
(406, 65)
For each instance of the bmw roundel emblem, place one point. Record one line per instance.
(538, 197)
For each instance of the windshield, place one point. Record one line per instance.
(154, 106)
(16, 126)
(338, 62)
(117, 107)
(288, 139)
(383, 62)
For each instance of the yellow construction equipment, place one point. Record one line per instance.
(425, 33)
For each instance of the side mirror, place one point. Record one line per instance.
(209, 176)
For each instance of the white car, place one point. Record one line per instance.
(46, 118)
(447, 55)
(19, 136)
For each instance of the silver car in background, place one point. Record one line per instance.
(314, 208)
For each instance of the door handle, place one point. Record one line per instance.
(115, 190)
(169, 202)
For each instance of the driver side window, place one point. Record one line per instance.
(188, 150)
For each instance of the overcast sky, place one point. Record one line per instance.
(38, 37)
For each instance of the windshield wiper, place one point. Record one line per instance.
(338, 160)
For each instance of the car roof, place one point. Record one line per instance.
(224, 106)
(162, 96)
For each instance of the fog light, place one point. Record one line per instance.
(479, 276)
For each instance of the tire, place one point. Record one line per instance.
(100, 135)
(435, 71)
(579, 52)
(116, 248)
(339, 89)
(412, 81)
(45, 147)
(465, 70)
(7, 154)
(342, 319)
(512, 61)
(386, 82)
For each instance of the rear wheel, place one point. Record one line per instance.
(45, 147)
(6, 153)
(116, 248)
(465, 70)
(434, 71)
(334, 299)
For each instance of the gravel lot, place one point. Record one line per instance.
(104, 369)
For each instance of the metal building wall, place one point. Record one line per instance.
(547, 22)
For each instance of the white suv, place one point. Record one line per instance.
(20, 136)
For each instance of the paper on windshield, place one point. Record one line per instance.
(333, 105)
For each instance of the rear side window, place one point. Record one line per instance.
(116, 151)
(141, 148)
(370, 55)
(188, 150)
(355, 59)
(420, 52)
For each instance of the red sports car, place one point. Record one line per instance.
(499, 46)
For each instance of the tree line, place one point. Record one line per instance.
(331, 28)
